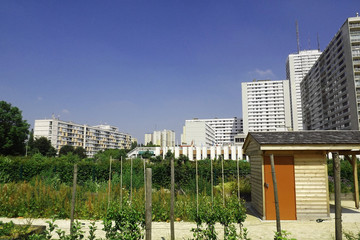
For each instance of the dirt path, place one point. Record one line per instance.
(257, 229)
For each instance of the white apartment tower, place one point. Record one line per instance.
(266, 105)
(164, 138)
(91, 138)
(330, 92)
(297, 66)
(197, 133)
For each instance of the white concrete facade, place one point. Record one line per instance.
(197, 133)
(91, 138)
(225, 129)
(164, 138)
(297, 66)
(195, 153)
(266, 105)
(330, 92)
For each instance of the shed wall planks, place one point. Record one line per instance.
(256, 166)
(311, 186)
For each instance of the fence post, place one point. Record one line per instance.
(73, 200)
(212, 183)
(172, 200)
(121, 179)
(109, 193)
(238, 177)
(197, 188)
(223, 180)
(131, 172)
(148, 210)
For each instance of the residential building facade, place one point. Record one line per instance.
(164, 138)
(297, 66)
(197, 133)
(225, 129)
(266, 105)
(330, 92)
(91, 138)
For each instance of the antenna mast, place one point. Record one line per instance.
(297, 37)
(318, 42)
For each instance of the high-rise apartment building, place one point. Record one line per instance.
(330, 92)
(91, 138)
(164, 138)
(197, 133)
(266, 105)
(297, 66)
(225, 129)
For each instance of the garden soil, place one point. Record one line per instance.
(257, 229)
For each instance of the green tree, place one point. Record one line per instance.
(13, 130)
(30, 143)
(169, 155)
(43, 146)
(80, 151)
(133, 145)
(104, 155)
(64, 150)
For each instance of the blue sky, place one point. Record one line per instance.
(146, 65)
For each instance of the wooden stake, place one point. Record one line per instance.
(212, 182)
(121, 179)
(131, 171)
(148, 208)
(337, 179)
(197, 188)
(238, 177)
(223, 181)
(172, 200)
(73, 200)
(356, 180)
(278, 225)
(109, 193)
(144, 180)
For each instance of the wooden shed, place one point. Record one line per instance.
(300, 160)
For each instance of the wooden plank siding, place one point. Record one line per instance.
(311, 186)
(256, 169)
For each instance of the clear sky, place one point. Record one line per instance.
(151, 64)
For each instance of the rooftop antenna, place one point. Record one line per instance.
(309, 42)
(357, 14)
(318, 42)
(297, 36)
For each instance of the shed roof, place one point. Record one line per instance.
(329, 140)
(307, 137)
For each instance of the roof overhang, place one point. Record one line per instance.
(343, 148)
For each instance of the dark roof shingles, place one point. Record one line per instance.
(307, 137)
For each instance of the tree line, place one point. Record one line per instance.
(17, 140)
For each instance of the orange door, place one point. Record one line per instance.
(285, 179)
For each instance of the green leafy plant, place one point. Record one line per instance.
(351, 235)
(283, 235)
(124, 224)
(205, 224)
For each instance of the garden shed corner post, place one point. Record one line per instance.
(336, 167)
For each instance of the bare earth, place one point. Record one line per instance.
(257, 228)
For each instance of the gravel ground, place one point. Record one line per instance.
(257, 228)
